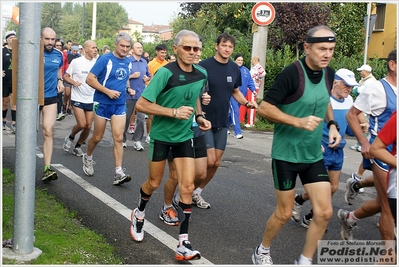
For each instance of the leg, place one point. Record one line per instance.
(170, 184)
(320, 198)
(129, 111)
(118, 126)
(99, 129)
(86, 121)
(386, 219)
(49, 118)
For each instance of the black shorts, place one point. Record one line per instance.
(50, 101)
(285, 173)
(199, 148)
(392, 205)
(158, 150)
(7, 90)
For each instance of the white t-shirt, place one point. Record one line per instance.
(373, 100)
(78, 69)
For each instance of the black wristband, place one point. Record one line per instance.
(199, 115)
(246, 104)
(331, 122)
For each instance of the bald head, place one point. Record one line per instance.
(48, 38)
(90, 49)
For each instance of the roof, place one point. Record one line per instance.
(155, 28)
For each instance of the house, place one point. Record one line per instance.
(156, 33)
(384, 35)
(149, 34)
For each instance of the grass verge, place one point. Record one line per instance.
(60, 237)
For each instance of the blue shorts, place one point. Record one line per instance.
(107, 111)
(333, 158)
(84, 106)
(368, 162)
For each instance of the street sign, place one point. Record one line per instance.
(263, 13)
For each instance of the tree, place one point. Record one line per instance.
(291, 24)
(51, 16)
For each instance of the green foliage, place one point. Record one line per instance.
(58, 234)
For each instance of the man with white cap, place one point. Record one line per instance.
(7, 81)
(341, 101)
(367, 78)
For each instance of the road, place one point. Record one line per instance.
(241, 196)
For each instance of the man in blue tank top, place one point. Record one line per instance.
(379, 101)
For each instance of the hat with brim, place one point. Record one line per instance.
(10, 33)
(347, 76)
(365, 67)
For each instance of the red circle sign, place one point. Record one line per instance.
(263, 13)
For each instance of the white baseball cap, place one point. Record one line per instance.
(365, 67)
(347, 76)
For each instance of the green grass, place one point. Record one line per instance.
(60, 237)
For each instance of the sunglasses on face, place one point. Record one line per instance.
(188, 48)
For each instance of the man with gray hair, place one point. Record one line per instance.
(172, 97)
(109, 77)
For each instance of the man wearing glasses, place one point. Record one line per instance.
(173, 98)
(59, 44)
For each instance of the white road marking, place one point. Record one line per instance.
(149, 228)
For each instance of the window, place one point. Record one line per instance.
(380, 20)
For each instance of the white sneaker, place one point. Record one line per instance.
(200, 202)
(261, 259)
(296, 212)
(184, 252)
(67, 144)
(137, 145)
(239, 136)
(88, 165)
(147, 139)
(124, 145)
(136, 227)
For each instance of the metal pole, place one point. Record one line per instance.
(94, 22)
(366, 45)
(26, 135)
(259, 48)
(83, 20)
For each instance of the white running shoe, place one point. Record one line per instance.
(88, 165)
(200, 202)
(184, 252)
(261, 259)
(121, 178)
(136, 227)
(346, 228)
(147, 139)
(138, 146)
(296, 211)
(77, 151)
(67, 144)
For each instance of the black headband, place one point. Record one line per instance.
(326, 39)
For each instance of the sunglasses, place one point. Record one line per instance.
(188, 48)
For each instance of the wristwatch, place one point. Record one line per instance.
(60, 79)
(331, 122)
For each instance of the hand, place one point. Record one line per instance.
(252, 104)
(131, 91)
(309, 123)
(146, 78)
(204, 124)
(255, 93)
(365, 127)
(334, 137)
(113, 94)
(4, 73)
(206, 98)
(60, 87)
(77, 84)
(135, 75)
(184, 112)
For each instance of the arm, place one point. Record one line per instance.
(203, 123)
(251, 86)
(68, 79)
(181, 113)
(274, 114)
(379, 150)
(92, 81)
(239, 97)
(334, 137)
(60, 84)
(352, 117)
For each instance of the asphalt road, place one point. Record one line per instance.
(241, 196)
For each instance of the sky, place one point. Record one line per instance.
(147, 12)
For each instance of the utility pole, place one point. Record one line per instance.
(83, 20)
(26, 135)
(94, 23)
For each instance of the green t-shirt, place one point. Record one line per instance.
(296, 145)
(172, 87)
